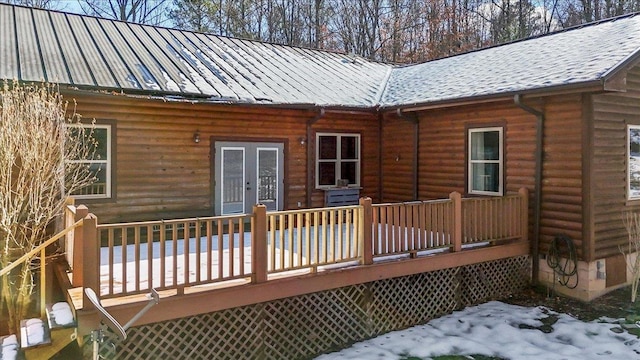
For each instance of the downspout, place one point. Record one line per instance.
(537, 209)
(310, 173)
(416, 144)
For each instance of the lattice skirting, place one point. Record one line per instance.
(304, 326)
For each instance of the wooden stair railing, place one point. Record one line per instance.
(42, 325)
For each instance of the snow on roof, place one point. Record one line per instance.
(93, 53)
(581, 55)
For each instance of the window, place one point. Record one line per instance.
(98, 161)
(485, 161)
(338, 160)
(633, 162)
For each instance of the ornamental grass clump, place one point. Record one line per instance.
(39, 139)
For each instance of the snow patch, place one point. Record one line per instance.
(501, 330)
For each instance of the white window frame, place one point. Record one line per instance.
(338, 160)
(631, 195)
(500, 161)
(107, 162)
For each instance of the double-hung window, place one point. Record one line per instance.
(486, 157)
(337, 159)
(98, 160)
(633, 162)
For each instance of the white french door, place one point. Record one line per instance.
(248, 173)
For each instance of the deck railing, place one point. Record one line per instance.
(412, 227)
(172, 254)
(311, 238)
(131, 258)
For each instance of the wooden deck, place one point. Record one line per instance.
(205, 265)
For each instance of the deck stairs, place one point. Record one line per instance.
(41, 338)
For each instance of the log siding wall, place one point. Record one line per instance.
(160, 173)
(442, 157)
(612, 112)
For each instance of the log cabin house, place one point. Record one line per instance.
(195, 125)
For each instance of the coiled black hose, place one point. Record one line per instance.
(562, 247)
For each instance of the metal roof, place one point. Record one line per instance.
(93, 53)
(88, 52)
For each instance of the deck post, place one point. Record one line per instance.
(456, 198)
(77, 247)
(91, 258)
(259, 253)
(366, 240)
(524, 202)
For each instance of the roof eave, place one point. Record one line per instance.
(204, 99)
(586, 86)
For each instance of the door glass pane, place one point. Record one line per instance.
(268, 177)
(232, 181)
(486, 177)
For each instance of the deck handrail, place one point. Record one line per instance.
(42, 250)
(39, 248)
(181, 253)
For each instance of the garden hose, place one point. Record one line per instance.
(562, 247)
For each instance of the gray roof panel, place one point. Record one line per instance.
(8, 55)
(173, 62)
(134, 55)
(569, 57)
(30, 62)
(115, 65)
(49, 48)
(73, 58)
(192, 55)
(101, 73)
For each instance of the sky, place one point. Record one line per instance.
(504, 331)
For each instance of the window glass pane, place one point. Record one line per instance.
(486, 177)
(348, 171)
(485, 145)
(328, 148)
(327, 173)
(99, 187)
(349, 147)
(634, 162)
(100, 138)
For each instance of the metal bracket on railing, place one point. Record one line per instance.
(111, 322)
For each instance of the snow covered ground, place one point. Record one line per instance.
(504, 331)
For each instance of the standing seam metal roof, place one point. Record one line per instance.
(87, 52)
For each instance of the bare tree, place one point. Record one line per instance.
(631, 221)
(37, 139)
(41, 4)
(150, 12)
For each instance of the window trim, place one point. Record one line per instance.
(500, 161)
(628, 162)
(108, 162)
(338, 160)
